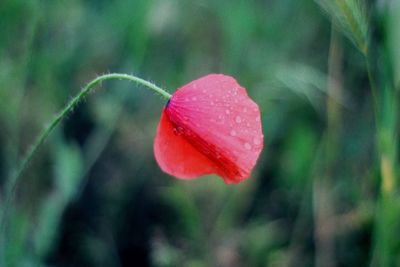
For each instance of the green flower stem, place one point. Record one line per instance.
(13, 182)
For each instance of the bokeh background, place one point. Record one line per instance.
(94, 196)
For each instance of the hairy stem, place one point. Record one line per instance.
(14, 179)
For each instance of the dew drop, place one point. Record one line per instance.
(238, 119)
(256, 141)
(194, 98)
(257, 119)
(227, 111)
(233, 133)
(247, 146)
(178, 130)
(244, 110)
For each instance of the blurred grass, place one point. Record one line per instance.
(94, 196)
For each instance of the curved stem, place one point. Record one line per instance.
(71, 105)
(12, 184)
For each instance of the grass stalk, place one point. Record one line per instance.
(385, 111)
(323, 198)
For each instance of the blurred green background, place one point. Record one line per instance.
(94, 195)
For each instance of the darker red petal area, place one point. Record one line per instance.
(176, 156)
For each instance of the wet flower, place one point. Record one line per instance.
(209, 126)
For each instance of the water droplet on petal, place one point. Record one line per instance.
(178, 130)
(247, 146)
(194, 98)
(227, 111)
(233, 133)
(238, 119)
(256, 141)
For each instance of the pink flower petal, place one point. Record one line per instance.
(217, 118)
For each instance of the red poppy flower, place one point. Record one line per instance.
(209, 126)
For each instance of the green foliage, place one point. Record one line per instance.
(351, 17)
